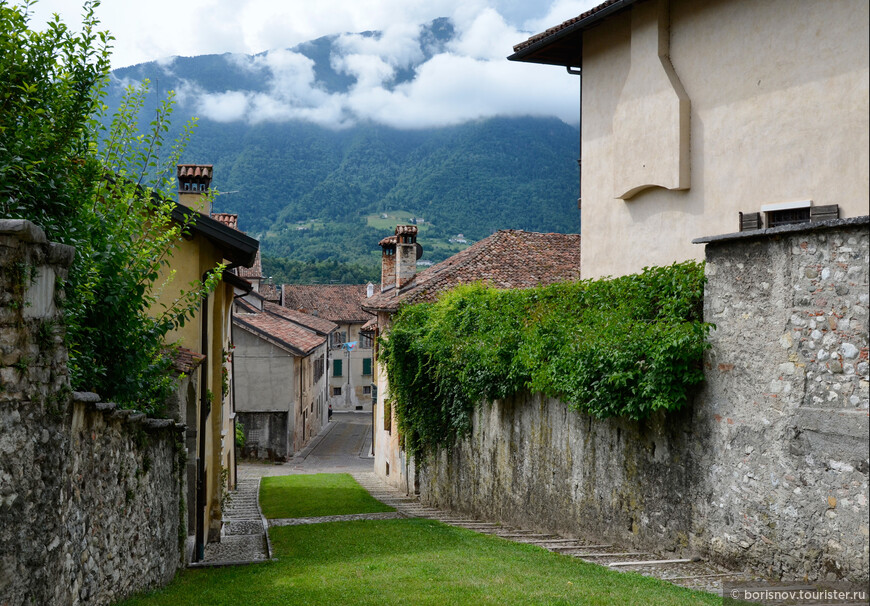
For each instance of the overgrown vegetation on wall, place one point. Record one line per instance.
(626, 347)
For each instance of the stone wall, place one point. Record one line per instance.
(90, 496)
(766, 470)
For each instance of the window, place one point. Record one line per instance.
(338, 338)
(365, 340)
(367, 366)
(336, 391)
(336, 368)
(367, 390)
(787, 217)
(388, 417)
(318, 369)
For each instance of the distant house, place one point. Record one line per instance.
(506, 259)
(204, 401)
(350, 372)
(280, 360)
(696, 111)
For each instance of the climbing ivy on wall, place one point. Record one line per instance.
(623, 347)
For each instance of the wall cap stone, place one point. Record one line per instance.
(770, 232)
(25, 230)
(86, 397)
(157, 423)
(61, 254)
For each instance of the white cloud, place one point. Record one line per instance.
(225, 107)
(397, 45)
(471, 80)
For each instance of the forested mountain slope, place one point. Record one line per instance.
(320, 192)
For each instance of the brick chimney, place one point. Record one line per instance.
(406, 254)
(193, 183)
(388, 262)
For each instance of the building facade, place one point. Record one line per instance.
(350, 370)
(694, 111)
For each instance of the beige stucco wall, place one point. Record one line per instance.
(779, 112)
(391, 463)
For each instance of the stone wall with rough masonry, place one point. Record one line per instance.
(767, 470)
(90, 496)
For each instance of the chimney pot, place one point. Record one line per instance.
(193, 185)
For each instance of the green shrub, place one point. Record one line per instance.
(623, 347)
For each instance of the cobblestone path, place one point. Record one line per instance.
(243, 536)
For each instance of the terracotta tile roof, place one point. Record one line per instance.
(255, 271)
(186, 360)
(231, 220)
(340, 303)
(389, 240)
(279, 331)
(566, 24)
(314, 323)
(370, 326)
(506, 259)
(270, 292)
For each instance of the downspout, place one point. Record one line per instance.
(577, 72)
(233, 394)
(375, 377)
(301, 409)
(204, 409)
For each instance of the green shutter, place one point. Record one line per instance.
(336, 368)
(367, 366)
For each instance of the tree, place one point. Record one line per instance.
(97, 187)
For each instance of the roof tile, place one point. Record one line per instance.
(341, 303)
(506, 259)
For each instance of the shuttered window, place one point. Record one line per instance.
(336, 368)
(367, 366)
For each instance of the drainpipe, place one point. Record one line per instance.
(204, 408)
(233, 395)
(577, 72)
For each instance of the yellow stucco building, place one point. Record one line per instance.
(204, 400)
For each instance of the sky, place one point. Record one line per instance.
(471, 79)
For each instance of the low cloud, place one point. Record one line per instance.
(470, 80)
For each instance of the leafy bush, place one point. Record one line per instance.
(623, 347)
(94, 186)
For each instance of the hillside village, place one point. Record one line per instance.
(682, 391)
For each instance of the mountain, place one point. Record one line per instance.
(318, 191)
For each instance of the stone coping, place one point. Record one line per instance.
(111, 411)
(783, 229)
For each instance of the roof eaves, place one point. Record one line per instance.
(526, 51)
(237, 282)
(237, 247)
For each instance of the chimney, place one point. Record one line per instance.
(406, 254)
(388, 262)
(193, 182)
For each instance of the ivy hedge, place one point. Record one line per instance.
(622, 347)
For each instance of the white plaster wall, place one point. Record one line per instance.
(779, 112)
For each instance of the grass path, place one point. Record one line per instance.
(408, 561)
(321, 494)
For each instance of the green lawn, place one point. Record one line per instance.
(412, 562)
(321, 494)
